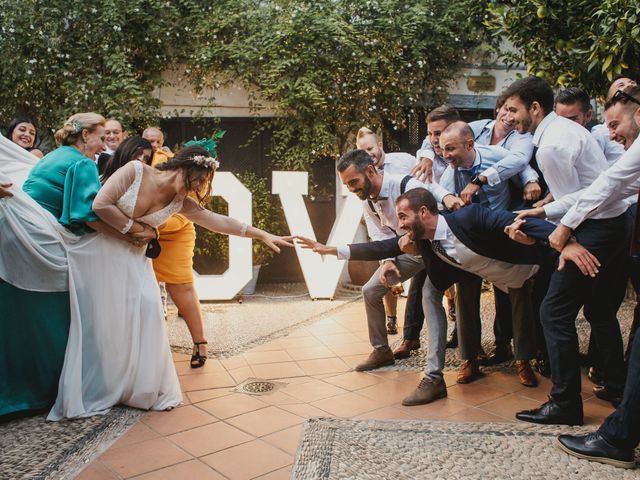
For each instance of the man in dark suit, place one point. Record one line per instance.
(460, 246)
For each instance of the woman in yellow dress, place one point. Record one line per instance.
(174, 267)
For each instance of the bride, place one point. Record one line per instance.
(117, 351)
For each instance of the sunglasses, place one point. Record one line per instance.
(623, 97)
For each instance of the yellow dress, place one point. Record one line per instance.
(177, 239)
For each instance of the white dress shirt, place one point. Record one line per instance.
(570, 160)
(613, 191)
(382, 221)
(503, 275)
(612, 150)
(399, 163)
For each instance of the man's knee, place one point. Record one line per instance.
(373, 289)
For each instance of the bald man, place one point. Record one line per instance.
(156, 138)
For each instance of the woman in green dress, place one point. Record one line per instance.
(35, 324)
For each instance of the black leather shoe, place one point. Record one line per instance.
(596, 449)
(608, 394)
(503, 353)
(594, 376)
(453, 339)
(550, 413)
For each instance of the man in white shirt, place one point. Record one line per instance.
(574, 104)
(114, 135)
(571, 160)
(378, 192)
(395, 163)
(432, 165)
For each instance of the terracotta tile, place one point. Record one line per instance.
(596, 410)
(353, 360)
(334, 339)
(278, 370)
(313, 390)
(232, 405)
(509, 405)
(473, 414)
(254, 358)
(305, 410)
(474, 393)
(211, 366)
(502, 380)
(438, 410)
(177, 420)
(138, 433)
(390, 374)
(329, 329)
(202, 395)
(233, 362)
(267, 347)
(280, 474)
(180, 357)
(143, 457)
(387, 393)
(347, 405)
(192, 470)
(296, 343)
(206, 381)
(539, 394)
(358, 348)
(278, 398)
(362, 335)
(387, 413)
(286, 440)
(209, 439)
(414, 378)
(310, 353)
(97, 471)
(265, 421)
(324, 365)
(233, 462)
(241, 374)
(354, 380)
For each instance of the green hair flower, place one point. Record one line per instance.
(209, 144)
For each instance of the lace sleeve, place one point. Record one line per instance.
(210, 220)
(105, 204)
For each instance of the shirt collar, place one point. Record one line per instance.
(441, 229)
(543, 126)
(384, 188)
(476, 161)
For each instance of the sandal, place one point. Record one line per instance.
(198, 360)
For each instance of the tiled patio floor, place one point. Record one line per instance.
(218, 434)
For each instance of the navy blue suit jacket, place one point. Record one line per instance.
(481, 230)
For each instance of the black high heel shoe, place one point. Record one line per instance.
(198, 360)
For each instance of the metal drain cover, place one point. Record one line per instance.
(258, 386)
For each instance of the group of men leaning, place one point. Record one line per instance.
(540, 206)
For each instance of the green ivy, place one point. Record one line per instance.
(582, 42)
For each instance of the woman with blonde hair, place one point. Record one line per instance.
(34, 331)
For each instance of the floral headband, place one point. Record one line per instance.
(207, 162)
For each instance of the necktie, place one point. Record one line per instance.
(437, 247)
(462, 177)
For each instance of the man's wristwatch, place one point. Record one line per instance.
(477, 181)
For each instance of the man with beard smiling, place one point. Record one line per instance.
(571, 159)
(455, 248)
(378, 192)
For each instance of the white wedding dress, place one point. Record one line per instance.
(118, 351)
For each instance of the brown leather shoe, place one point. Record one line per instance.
(405, 348)
(380, 357)
(469, 371)
(427, 391)
(525, 373)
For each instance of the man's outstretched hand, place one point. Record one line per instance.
(314, 246)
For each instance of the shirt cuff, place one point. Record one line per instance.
(492, 176)
(127, 227)
(423, 153)
(554, 210)
(572, 219)
(344, 252)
